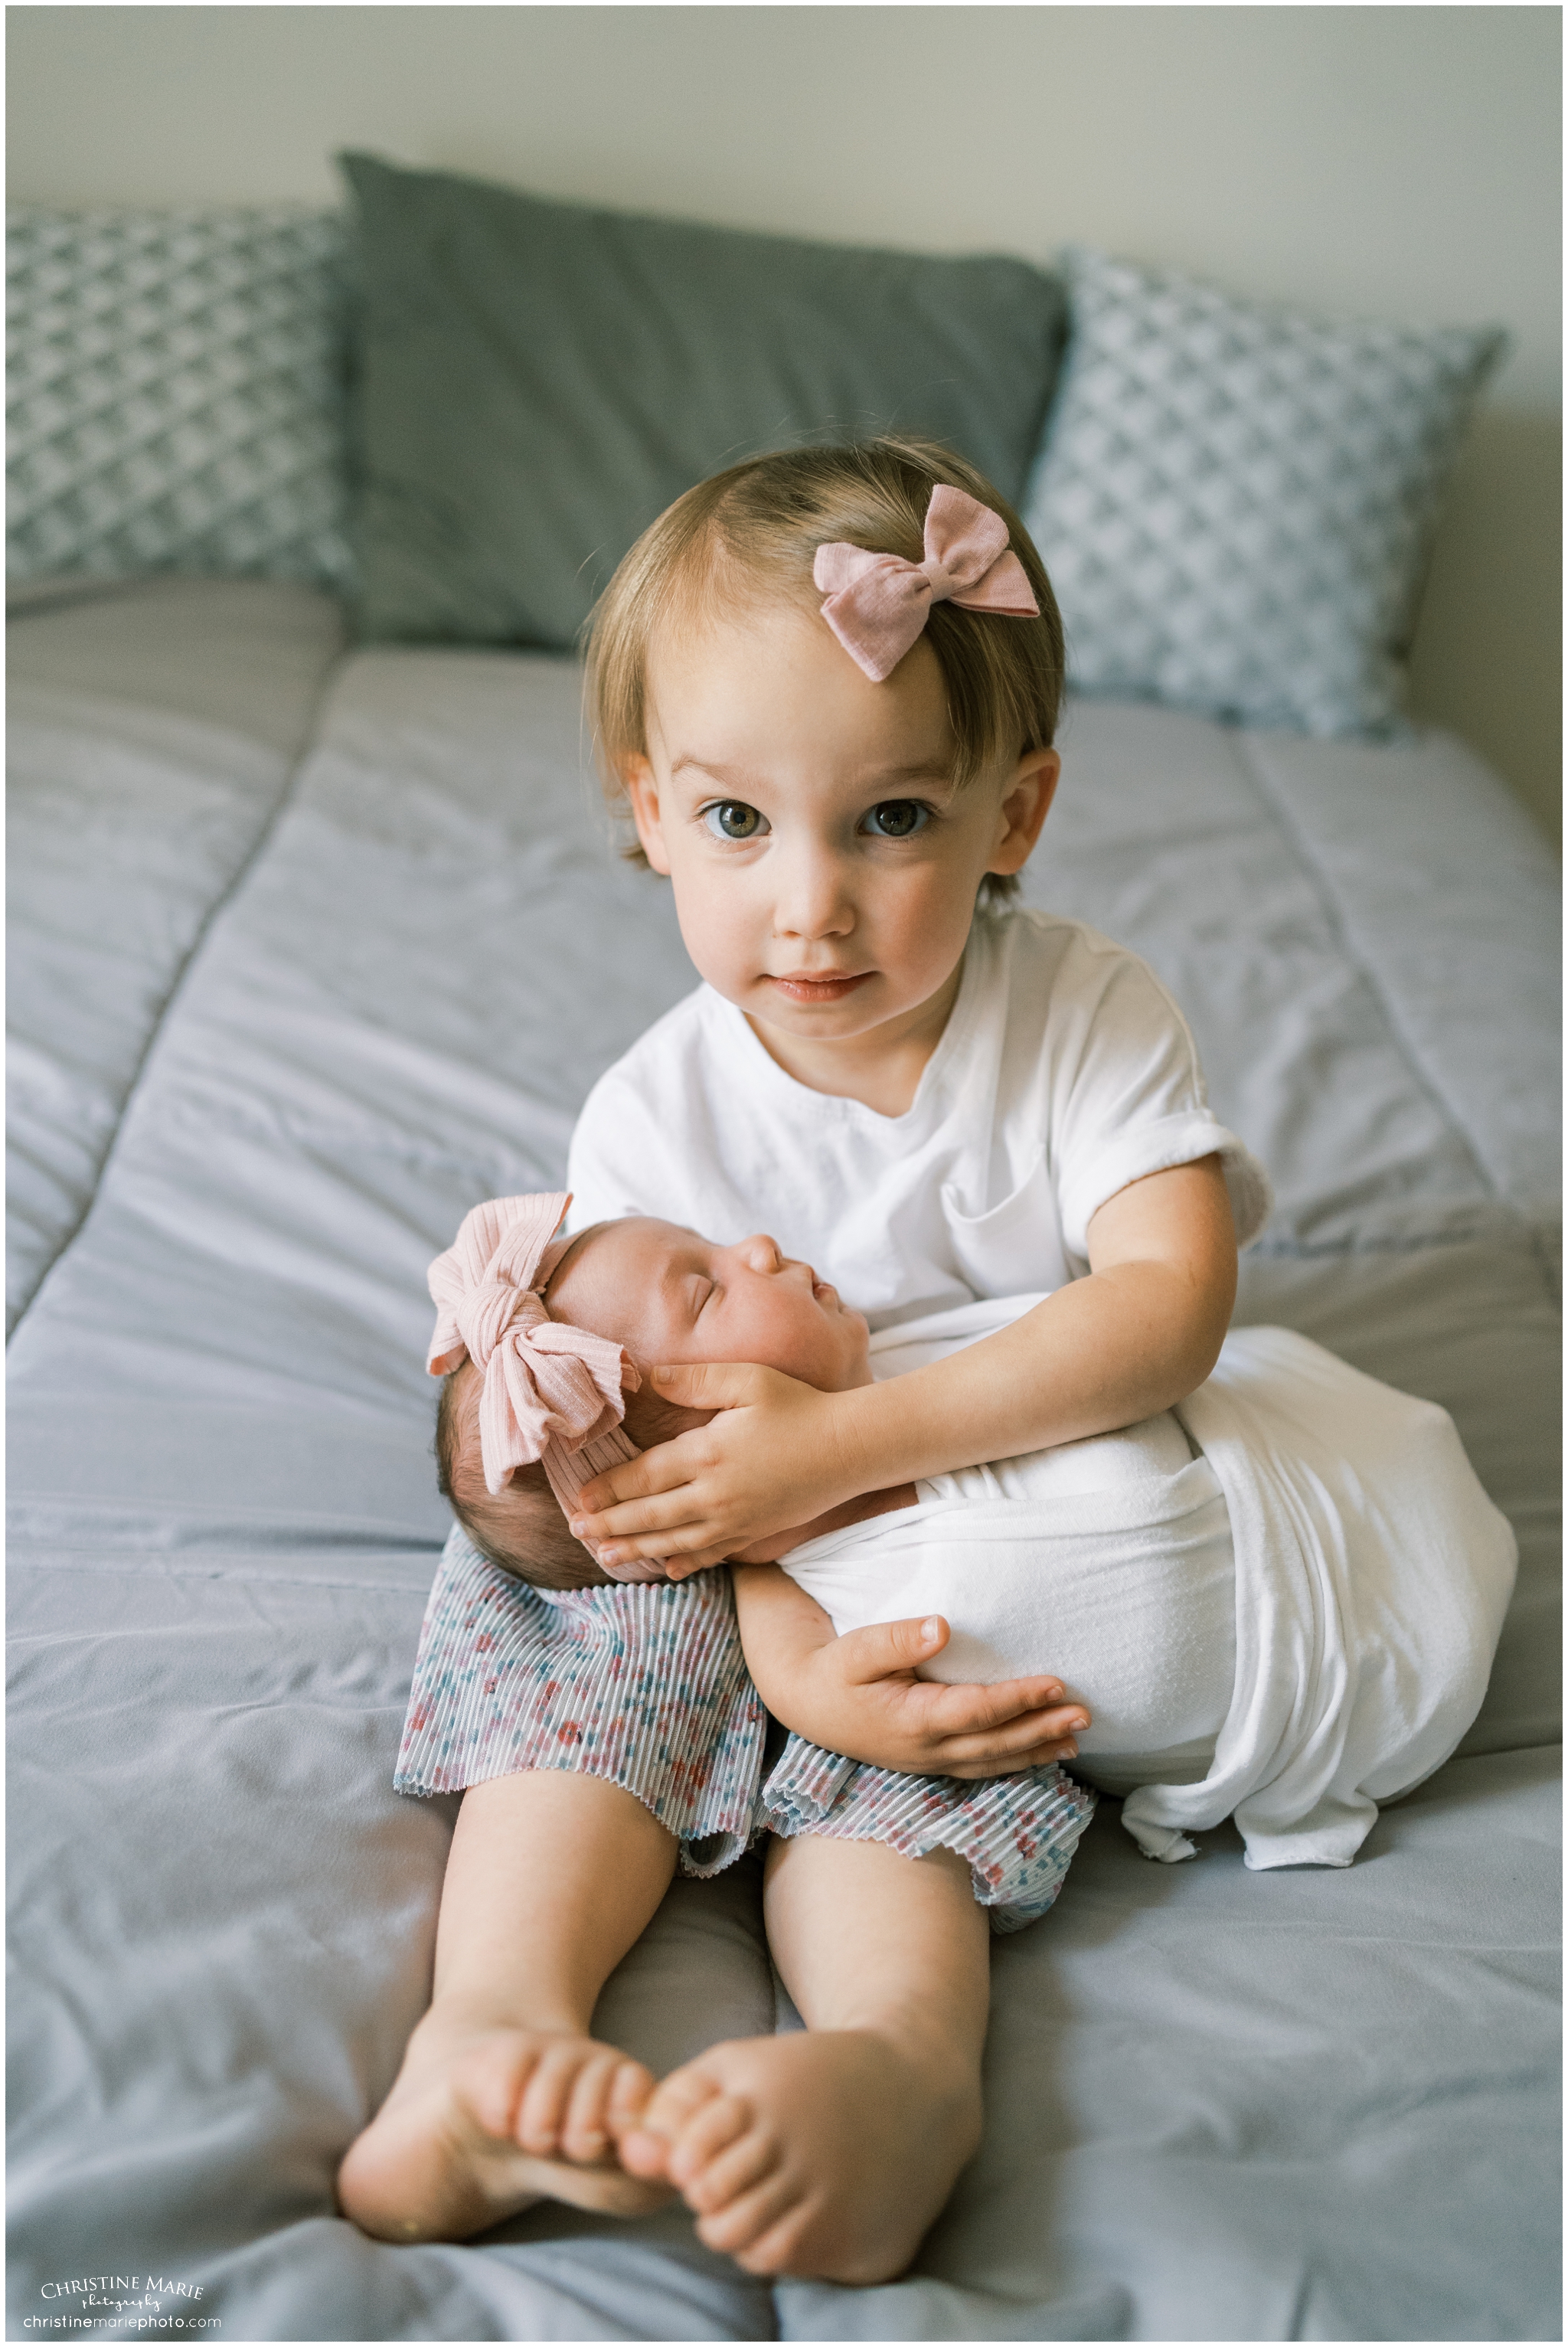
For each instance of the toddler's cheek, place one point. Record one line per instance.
(724, 934)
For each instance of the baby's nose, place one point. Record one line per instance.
(762, 1253)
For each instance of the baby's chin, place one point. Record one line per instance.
(859, 1370)
(859, 1329)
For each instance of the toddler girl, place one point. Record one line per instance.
(826, 685)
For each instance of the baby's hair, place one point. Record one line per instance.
(751, 535)
(521, 1528)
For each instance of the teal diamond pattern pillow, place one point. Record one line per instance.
(175, 394)
(1235, 504)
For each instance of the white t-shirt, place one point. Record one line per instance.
(1064, 1072)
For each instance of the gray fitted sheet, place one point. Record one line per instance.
(1222, 2105)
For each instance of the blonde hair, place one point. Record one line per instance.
(751, 534)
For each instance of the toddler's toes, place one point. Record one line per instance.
(630, 2091)
(495, 2091)
(746, 2228)
(542, 2111)
(737, 2162)
(451, 2150)
(584, 2131)
(677, 2099)
(644, 2149)
(643, 2154)
(712, 2143)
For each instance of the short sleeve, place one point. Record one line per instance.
(646, 1132)
(619, 1162)
(591, 1174)
(1127, 1093)
(1154, 1148)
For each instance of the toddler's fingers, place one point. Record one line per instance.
(690, 1545)
(716, 1385)
(1054, 1723)
(1041, 1757)
(663, 1469)
(665, 1511)
(681, 1568)
(624, 1486)
(1014, 1741)
(885, 1649)
(976, 1710)
(621, 1483)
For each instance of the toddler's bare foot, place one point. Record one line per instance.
(821, 2154)
(483, 2121)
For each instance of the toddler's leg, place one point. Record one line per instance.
(830, 2153)
(503, 2097)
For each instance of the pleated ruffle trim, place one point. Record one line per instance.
(1018, 1834)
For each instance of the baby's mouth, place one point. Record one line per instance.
(830, 988)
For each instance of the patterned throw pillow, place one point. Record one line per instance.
(176, 393)
(1234, 505)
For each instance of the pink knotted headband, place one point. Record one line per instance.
(878, 604)
(551, 1392)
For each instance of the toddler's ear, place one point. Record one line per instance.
(642, 792)
(1026, 802)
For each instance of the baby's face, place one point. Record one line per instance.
(669, 1296)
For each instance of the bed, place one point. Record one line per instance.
(270, 1038)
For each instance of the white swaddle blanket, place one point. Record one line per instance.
(1279, 1602)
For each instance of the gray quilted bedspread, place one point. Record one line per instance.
(294, 986)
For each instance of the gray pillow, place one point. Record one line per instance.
(538, 381)
(175, 395)
(1235, 504)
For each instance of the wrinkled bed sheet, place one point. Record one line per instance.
(150, 737)
(1221, 2105)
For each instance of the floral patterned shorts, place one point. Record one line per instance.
(645, 1684)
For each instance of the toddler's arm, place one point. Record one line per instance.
(858, 1695)
(1138, 1335)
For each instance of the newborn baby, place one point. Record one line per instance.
(1280, 1600)
(1112, 1555)
(659, 1294)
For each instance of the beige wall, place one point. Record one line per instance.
(1399, 161)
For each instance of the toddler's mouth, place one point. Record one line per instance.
(832, 988)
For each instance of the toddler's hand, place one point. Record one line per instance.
(858, 1695)
(768, 1461)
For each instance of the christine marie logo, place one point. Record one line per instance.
(85, 2300)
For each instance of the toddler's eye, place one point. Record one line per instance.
(897, 819)
(733, 819)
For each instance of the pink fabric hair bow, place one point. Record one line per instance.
(552, 1391)
(878, 604)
